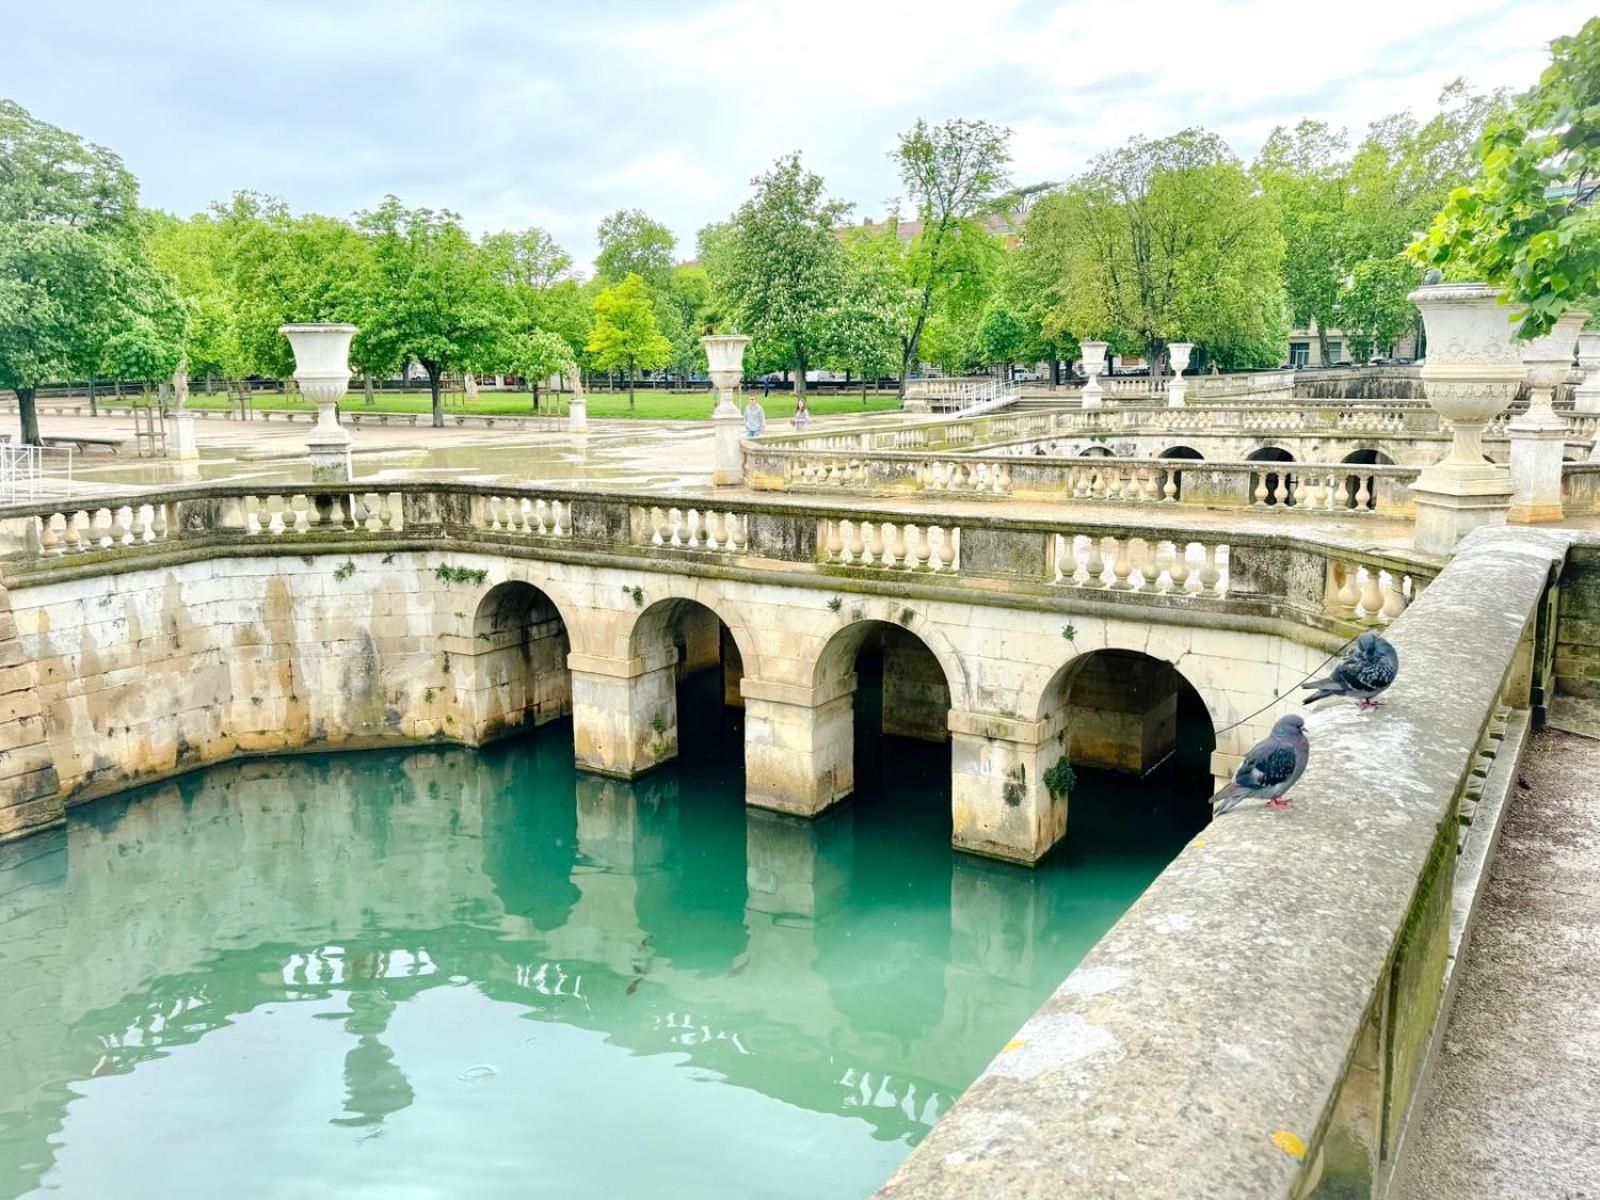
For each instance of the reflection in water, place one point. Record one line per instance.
(521, 981)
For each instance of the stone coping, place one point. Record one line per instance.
(1223, 1010)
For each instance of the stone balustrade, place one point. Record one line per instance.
(890, 545)
(1172, 567)
(690, 528)
(1104, 559)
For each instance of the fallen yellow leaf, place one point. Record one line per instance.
(1289, 1143)
(1015, 1044)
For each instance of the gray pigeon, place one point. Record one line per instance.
(1272, 767)
(1364, 673)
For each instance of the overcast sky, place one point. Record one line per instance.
(556, 113)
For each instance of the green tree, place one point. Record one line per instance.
(625, 335)
(1529, 225)
(633, 243)
(1164, 241)
(1373, 311)
(537, 354)
(194, 252)
(861, 329)
(73, 265)
(951, 172)
(783, 264)
(430, 295)
(1306, 173)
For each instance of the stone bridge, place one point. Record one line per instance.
(186, 627)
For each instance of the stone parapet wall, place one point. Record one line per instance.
(1257, 1024)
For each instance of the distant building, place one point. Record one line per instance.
(1305, 348)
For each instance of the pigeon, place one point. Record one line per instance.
(1272, 767)
(1364, 673)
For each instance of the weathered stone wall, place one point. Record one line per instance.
(172, 666)
(916, 697)
(29, 787)
(1577, 652)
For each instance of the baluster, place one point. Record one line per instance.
(898, 549)
(1394, 596)
(655, 521)
(1363, 494)
(1169, 489)
(922, 550)
(1162, 556)
(1347, 595)
(1097, 562)
(875, 542)
(122, 526)
(358, 509)
(1371, 595)
(1210, 573)
(46, 536)
(738, 533)
(835, 541)
(1261, 490)
(1281, 494)
(386, 510)
(1003, 480)
(947, 548)
(1122, 565)
(75, 540)
(302, 514)
(1067, 557)
(719, 530)
(857, 543)
(560, 519)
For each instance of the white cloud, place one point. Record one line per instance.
(557, 114)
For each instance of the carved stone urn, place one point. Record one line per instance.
(1094, 361)
(1473, 369)
(725, 356)
(1178, 389)
(322, 369)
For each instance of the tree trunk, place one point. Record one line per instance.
(211, 384)
(366, 384)
(434, 373)
(535, 387)
(800, 373)
(94, 410)
(28, 412)
(119, 389)
(630, 385)
(1322, 345)
(863, 391)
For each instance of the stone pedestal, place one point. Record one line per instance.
(180, 437)
(1000, 807)
(1537, 445)
(578, 414)
(799, 745)
(728, 468)
(624, 713)
(915, 404)
(1122, 713)
(1452, 508)
(1094, 361)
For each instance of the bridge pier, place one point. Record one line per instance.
(624, 712)
(799, 744)
(1122, 712)
(1000, 806)
(795, 867)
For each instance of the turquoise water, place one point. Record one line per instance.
(441, 973)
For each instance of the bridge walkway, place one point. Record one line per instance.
(1513, 1107)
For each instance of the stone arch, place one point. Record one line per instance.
(1360, 490)
(1175, 475)
(652, 629)
(837, 655)
(513, 669)
(1095, 451)
(1271, 487)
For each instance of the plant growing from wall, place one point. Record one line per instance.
(835, 604)
(637, 593)
(1070, 632)
(448, 574)
(906, 616)
(1015, 786)
(346, 570)
(1060, 779)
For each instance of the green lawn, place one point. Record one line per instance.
(650, 405)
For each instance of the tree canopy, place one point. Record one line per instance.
(625, 335)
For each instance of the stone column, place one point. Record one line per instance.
(725, 354)
(799, 745)
(578, 408)
(1000, 805)
(322, 369)
(1539, 436)
(624, 713)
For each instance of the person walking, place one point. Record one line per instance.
(755, 418)
(802, 414)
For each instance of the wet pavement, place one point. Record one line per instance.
(1512, 1110)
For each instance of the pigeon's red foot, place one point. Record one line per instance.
(1364, 705)
(1280, 802)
